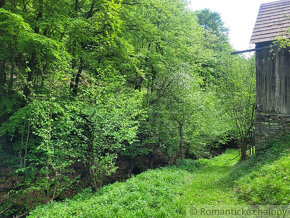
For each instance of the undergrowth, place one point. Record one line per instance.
(166, 192)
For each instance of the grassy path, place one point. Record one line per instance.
(211, 184)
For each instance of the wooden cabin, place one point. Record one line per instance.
(273, 71)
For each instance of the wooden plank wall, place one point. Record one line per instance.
(273, 94)
(273, 81)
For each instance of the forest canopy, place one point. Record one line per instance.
(87, 83)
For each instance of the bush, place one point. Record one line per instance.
(62, 141)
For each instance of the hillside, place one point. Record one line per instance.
(168, 192)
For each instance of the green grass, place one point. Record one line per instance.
(167, 192)
(264, 179)
(208, 186)
(152, 193)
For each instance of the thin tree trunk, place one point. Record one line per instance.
(138, 83)
(26, 145)
(91, 11)
(243, 149)
(75, 86)
(33, 61)
(24, 5)
(153, 79)
(54, 192)
(2, 77)
(181, 140)
(11, 79)
(76, 7)
(39, 15)
(14, 3)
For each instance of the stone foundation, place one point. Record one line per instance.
(269, 126)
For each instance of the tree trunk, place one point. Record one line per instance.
(11, 79)
(39, 15)
(2, 77)
(91, 11)
(244, 149)
(153, 79)
(76, 7)
(181, 140)
(33, 61)
(75, 85)
(138, 83)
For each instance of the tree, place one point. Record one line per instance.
(13, 33)
(182, 99)
(239, 95)
(212, 22)
(78, 78)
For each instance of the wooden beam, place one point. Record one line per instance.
(249, 50)
(244, 51)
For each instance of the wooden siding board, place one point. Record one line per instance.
(273, 76)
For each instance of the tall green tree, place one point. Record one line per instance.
(238, 92)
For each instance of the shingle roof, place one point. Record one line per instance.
(273, 21)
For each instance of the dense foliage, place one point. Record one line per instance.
(86, 85)
(169, 191)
